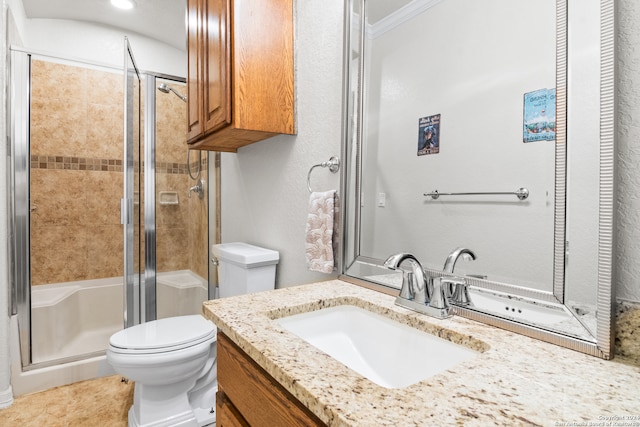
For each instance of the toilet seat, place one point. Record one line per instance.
(163, 335)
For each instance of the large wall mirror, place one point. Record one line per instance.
(486, 125)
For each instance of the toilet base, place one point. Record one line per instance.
(205, 417)
(162, 406)
(197, 418)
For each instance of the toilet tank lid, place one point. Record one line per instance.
(245, 254)
(164, 333)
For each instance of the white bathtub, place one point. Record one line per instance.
(77, 318)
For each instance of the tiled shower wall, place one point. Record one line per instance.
(77, 180)
(76, 173)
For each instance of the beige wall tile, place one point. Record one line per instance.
(172, 252)
(105, 131)
(58, 127)
(105, 88)
(171, 126)
(104, 251)
(76, 231)
(58, 81)
(57, 254)
(103, 191)
(58, 197)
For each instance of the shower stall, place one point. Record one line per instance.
(87, 257)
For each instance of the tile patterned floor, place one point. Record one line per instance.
(103, 402)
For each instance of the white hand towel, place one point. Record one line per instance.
(322, 236)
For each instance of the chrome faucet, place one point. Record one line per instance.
(450, 263)
(414, 284)
(456, 288)
(419, 292)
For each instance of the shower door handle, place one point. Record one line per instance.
(124, 212)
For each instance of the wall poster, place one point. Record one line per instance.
(540, 115)
(429, 135)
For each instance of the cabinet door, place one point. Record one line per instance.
(217, 65)
(256, 395)
(195, 16)
(227, 415)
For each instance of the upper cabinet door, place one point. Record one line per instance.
(217, 84)
(240, 72)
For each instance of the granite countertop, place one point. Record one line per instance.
(515, 380)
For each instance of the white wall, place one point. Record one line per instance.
(628, 140)
(264, 189)
(103, 45)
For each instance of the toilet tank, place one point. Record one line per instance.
(244, 268)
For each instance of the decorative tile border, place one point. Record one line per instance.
(104, 165)
(179, 168)
(76, 163)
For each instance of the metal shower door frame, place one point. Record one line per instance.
(132, 165)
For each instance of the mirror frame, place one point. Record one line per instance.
(603, 344)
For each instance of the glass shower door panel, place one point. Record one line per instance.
(131, 204)
(181, 204)
(75, 186)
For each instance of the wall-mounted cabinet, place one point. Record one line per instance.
(240, 75)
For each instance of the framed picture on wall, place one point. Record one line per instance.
(429, 135)
(539, 115)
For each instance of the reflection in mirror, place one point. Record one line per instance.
(470, 98)
(450, 78)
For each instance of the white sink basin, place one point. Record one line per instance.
(386, 352)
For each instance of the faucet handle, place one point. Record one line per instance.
(439, 298)
(459, 291)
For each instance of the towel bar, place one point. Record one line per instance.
(333, 164)
(521, 193)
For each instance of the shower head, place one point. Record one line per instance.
(166, 89)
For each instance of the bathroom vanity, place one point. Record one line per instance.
(512, 380)
(248, 395)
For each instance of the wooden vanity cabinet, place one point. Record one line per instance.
(249, 396)
(240, 81)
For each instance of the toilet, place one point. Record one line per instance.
(173, 360)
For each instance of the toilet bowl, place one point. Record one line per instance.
(173, 360)
(173, 364)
